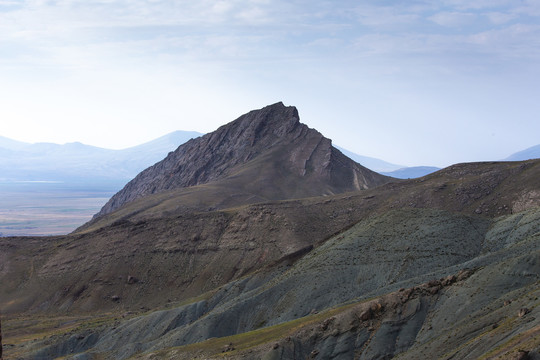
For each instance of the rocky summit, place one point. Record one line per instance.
(261, 241)
(266, 154)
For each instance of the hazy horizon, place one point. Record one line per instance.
(189, 131)
(408, 82)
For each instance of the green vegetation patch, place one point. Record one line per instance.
(247, 340)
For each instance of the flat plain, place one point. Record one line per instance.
(47, 208)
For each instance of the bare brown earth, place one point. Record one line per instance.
(184, 255)
(159, 258)
(283, 249)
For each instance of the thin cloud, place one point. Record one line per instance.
(518, 41)
(385, 16)
(453, 19)
(236, 25)
(499, 18)
(477, 4)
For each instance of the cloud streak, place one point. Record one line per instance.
(200, 28)
(275, 50)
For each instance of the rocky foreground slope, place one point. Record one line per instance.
(293, 273)
(445, 266)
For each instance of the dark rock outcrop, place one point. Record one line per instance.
(297, 161)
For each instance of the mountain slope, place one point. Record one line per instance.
(530, 153)
(9, 144)
(386, 243)
(195, 252)
(265, 153)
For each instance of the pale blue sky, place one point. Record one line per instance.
(410, 82)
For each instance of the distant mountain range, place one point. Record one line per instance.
(527, 154)
(411, 172)
(79, 165)
(403, 172)
(374, 164)
(83, 165)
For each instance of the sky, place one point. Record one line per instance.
(410, 82)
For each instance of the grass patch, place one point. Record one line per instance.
(527, 340)
(23, 329)
(247, 340)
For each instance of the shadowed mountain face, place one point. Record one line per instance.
(266, 154)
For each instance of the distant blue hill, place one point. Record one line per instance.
(9, 144)
(374, 164)
(51, 189)
(530, 153)
(79, 165)
(389, 169)
(412, 172)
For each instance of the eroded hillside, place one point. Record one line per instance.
(233, 259)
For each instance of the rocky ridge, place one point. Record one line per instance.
(299, 156)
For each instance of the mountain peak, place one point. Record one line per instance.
(273, 121)
(266, 154)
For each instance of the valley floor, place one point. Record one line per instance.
(39, 209)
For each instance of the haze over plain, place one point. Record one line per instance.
(414, 83)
